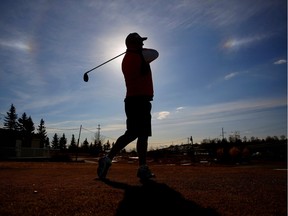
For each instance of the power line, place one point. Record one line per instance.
(63, 129)
(88, 130)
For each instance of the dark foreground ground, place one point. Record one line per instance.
(46, 188)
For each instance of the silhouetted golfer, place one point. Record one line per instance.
(139, 94)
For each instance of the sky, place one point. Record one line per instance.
(221, 64)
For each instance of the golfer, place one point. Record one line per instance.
(139, 94)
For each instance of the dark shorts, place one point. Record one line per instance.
(138, 113)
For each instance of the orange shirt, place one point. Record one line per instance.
(137, 82)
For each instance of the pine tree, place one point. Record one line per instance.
(73, 144)
(107, 146)
(55, 141)
(62, 142)
(30, 128)
(10, 121)
(98, 148)
(42, 133)
(85, 146)
(26, 125)
(22, 122)
(47, 142)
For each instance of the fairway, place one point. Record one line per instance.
(46, 188)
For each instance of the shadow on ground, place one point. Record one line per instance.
(157, 199)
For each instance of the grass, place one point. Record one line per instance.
(46, 188)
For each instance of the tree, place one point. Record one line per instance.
(73, 144)
(97, 148)
(47, 142)
(55, 142)
(30, 128)
(42, 133)
(107, 146)
(234, 137)
(85, 146)
(10, 121)
(282, 137)
(62, 142)
(22, 122)
(26, 125)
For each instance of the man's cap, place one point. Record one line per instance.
(134, 38)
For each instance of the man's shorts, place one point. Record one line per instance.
(138, 113)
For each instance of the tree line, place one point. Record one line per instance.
(26, 127)
(231, 150)
(93, 148)
(273, 147)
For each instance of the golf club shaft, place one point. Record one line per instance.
(105, 62)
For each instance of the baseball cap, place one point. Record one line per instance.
(134, 38)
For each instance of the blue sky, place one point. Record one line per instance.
(222, 64)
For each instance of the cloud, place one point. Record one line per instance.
(162, 115)
(173, 14)
(220, 112)
(178, 109)
(186, 14)
(231, 75)
(237, 43)
(19, 44)
(281, 61)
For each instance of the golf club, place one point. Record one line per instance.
(86, 78)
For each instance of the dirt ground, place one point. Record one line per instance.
(46, 188)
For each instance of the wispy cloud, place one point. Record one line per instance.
(187, 14)
(180, 13)
(178, 109)
(281, 61)
(231, 75)
(42, 102)
(20, 44)
(237, 43)
(162, 115)
(221, 112)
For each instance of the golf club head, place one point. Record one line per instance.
(85, 77)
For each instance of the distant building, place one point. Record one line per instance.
(16, 145)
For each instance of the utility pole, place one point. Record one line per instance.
(78, 142)
(98, 134)
(223, 133)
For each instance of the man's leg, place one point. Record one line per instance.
(121, 143)
(106, 162)
(142, 144)
(144, 172)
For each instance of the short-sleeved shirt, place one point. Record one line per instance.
(138, 82)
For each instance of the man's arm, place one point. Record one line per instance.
(149, 54)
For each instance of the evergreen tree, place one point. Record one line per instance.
(107, 146)
(85, 145)
(97, 147)
(22, 122)
(47, 142)
(42, 133)
(62, 142)
(73, 144)
(30, 128)
(10, 121)
(55, 142)
(26, 125)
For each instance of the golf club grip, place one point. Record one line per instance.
(105, 62)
